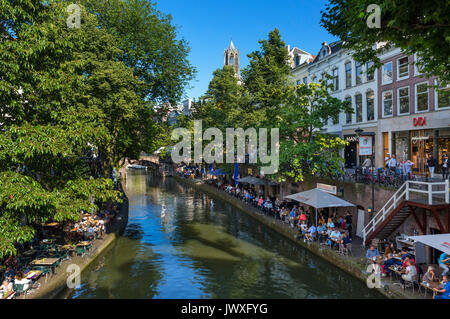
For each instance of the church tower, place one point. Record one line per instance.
(231, 58)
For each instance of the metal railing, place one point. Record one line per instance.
(432, 196)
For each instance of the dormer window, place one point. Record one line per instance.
(297, 60)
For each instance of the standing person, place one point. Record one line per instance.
(431, 162)
(445, 167)
(386, 161)
(392, 164)
(407, 169)
(349, 224)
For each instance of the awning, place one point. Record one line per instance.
(218, 172)
(319, 199)
(440, 242)
(254, 181)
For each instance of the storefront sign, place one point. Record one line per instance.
(419, 121)
(327, 188)
(352, 139)
(365, 145)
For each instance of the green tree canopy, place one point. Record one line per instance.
(421, 27)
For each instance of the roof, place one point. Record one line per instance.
(440, 242)
(231, 46)
(333, 47)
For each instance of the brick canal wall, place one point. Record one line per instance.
(349, 265)
(58, 282)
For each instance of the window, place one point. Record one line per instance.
(403, 68)
(422, 97)
(335, 79)
(299, 82)
(231, 60)
(417, 70)
(348, 116)
(403, 100)
(348, 74)
(297, 60)
(358, 73)
(305, 80)
(370, 99)
(370, 75)
(314, 78)
(443, 97)
(387, 73)
(387, 103)
(358, 103)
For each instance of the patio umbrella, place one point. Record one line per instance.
(440, 242)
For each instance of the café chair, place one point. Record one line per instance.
(412, 283)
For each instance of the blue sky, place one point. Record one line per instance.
(209, 25)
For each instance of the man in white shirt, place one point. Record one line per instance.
(392, 164)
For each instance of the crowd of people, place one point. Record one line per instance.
(332, 230)
(402, 262)
(404, 166)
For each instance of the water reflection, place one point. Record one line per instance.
(179, 245)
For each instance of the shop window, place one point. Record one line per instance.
(358, 103)
(387, 73)
(358, 73)
(370, 99)
(348, 74)
(403, 100)
(422, 97)
(402, 68)
(387, 103)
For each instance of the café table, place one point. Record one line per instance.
(85, 244)
(33, 274)
(45, 262)
(430, 286)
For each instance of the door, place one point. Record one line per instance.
(360, 224)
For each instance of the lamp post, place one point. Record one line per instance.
(360, 132)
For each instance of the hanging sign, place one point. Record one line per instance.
(365, 145)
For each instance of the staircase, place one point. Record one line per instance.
(396, 210)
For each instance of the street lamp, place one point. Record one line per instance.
(360, 132)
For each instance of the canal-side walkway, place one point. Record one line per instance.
(56, 283)
(355, 264)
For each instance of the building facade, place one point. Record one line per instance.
(414, 115)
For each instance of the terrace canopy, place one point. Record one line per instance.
(254, 181)
(319, 199)
(440, 242)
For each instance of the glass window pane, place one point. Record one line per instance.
(443, 97)
(387, 72)
(348, 116)
(370, 97)
(358, 102)
(404, 100)
(387, 103)
(403, 67)
(422, 97)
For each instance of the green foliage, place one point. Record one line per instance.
(421, 27)
(63, 93)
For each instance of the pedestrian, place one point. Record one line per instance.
(407, 169)
(392, 164)
(431, 162)
(386, 161)
(445, 167)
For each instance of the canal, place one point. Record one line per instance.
(180, 243)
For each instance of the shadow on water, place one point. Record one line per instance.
(179, 245)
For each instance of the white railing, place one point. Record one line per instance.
(403, 193)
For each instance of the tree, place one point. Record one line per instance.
(149, 45)
(421, 27)
(64, 92)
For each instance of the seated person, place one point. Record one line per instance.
(445, 291)
(303, 227)
(340, 221)
(330, 223)
(334, 238)
(430, 276)
(9, 273)
(444, 263)
(405, 254)
(6, 288)
(311, 233)
(21, 280)
(322, 230)
(302, 217)
(406, 263)
(390, 250)
(372, 253)
(411, 272)
(389, 262)
(345, 240)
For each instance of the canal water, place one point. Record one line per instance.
(180, 243)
